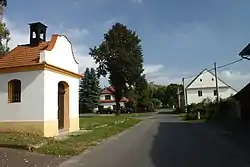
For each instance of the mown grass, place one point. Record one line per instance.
(74, 144)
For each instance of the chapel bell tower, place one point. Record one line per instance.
(37, 33)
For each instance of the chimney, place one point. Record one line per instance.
(37, 33)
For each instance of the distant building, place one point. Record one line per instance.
(204, 86)
(107, 98)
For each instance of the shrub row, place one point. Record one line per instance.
(208, 109)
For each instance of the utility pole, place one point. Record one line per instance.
(184, 94)
(216, 84)
(179, 96)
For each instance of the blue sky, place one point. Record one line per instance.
(179, 37)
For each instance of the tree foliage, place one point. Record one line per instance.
(159, 95)
(4, 32)
(3, 3)
(168, 94)
(120, 56)
(4, 39)
(89, 91)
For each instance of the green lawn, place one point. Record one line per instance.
(74, 144)
(92, 122)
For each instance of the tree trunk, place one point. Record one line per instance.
(118, 111)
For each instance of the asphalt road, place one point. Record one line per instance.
(164, 141)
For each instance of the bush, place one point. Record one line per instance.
(206, 109)
(191, 116)
(209, 111)
(226, 109)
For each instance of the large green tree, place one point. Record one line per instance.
(89, 91)
(120, 56)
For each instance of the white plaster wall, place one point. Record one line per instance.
(61, 55)
(107, 105)
(192, 94)
(208, 80)
(51, 95)
(102, 96)
(31, 107)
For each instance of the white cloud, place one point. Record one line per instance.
(160, 75)
(153, 69)
(76, 33)
(18, 34)
(235, 78)
(110, 22)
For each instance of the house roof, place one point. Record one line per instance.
(124, 99)
(243, 93)
(245, 51)
(26, 55)
(108, 90)
(202, 72)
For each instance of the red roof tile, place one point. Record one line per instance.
(124, 99)
(23, 55)
(108, 90)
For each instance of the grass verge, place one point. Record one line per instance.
(73, 145)
(182, 116)
(147, 114)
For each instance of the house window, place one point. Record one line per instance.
(201, 80)
(215, 93)
(14, 91)
(199, 93)
(107, 97)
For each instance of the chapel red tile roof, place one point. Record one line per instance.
(24, 55)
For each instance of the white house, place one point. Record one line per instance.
(39, 85)
(204, 86)
(107, 99)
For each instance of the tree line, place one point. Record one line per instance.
(148, 97)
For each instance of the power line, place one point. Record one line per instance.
(222, 66)
(236, 61)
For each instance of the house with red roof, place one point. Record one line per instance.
(39, 84)
(107, 98)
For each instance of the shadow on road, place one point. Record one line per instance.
(180, 144)
(165, 112)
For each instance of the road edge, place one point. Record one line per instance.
(76, 159)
